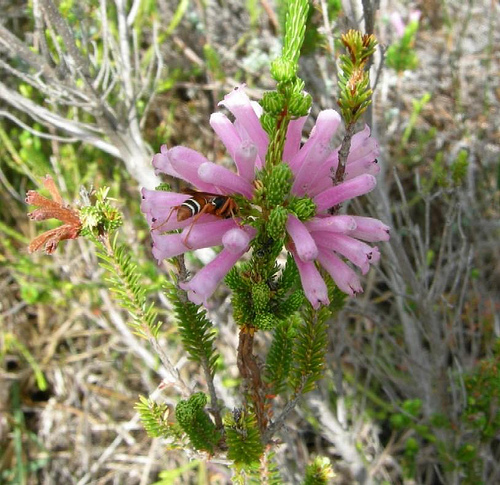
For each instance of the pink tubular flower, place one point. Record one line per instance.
(325, 239)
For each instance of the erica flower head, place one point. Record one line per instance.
(294, 201)
(52, 209)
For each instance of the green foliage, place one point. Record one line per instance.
(242, 438)
(401, 55)
(354, 78)
(278, 183)
(174, 476)
(176, 18)
(267, 472)
(295, 28)
(482, 412)
(300, 104)
(289, 95)
(303, 207)
(273, 103)
(410, 412)
(319, 472)
(459, 168)
(213, 63)
(279, 358)
(283, 70)
(196, 423)
(24, 466)
(418, 105)
(154, 417)
(277, 222)
(101, 217)
(261, 294)
(127, 286)
(10, 343)
(443, 176)
(196, 330)
(266, 303)
(309, 349)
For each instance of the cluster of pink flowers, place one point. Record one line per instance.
(325, 238)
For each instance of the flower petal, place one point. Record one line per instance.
(346, 190)
(208, 234)
(159, 199)
(343, 224)
(51, 239)
(314, 286)
(226, 131)
(159, 206)
(314, 152)
(345, 278)
(162, 164)
(237, 239)
(361, 254)
(225, 180)
(238, 103)
(293, 138)
(360, 167)
(186, 163)
(245, 157)
(370, 229)
(51, 186)
(304, 243)
(205, 282)
(195, 236)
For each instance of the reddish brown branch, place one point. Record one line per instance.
(250, 371)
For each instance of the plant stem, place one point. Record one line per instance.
(250, 371)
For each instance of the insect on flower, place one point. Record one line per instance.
(222, 206)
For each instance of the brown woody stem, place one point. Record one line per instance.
(250, 371)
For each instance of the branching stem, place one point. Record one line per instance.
(250, 371)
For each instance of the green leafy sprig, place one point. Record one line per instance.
(354, 78)
(319, 472)
(195, 422)
(124, 280)
(401, 55)
(243, 438)
(155, 419)
(355, 92)
(196, 330)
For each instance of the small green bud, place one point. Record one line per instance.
(265, 321)
(277, 222)
(283, 70)
(90, 217)
(102, 217)
(300, 104)
(304, 208)
(260, 296)
(164, 186)
(273, 102)
(291, 304)
(198, 400)
(278, 182)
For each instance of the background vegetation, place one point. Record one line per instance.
(90, 90)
